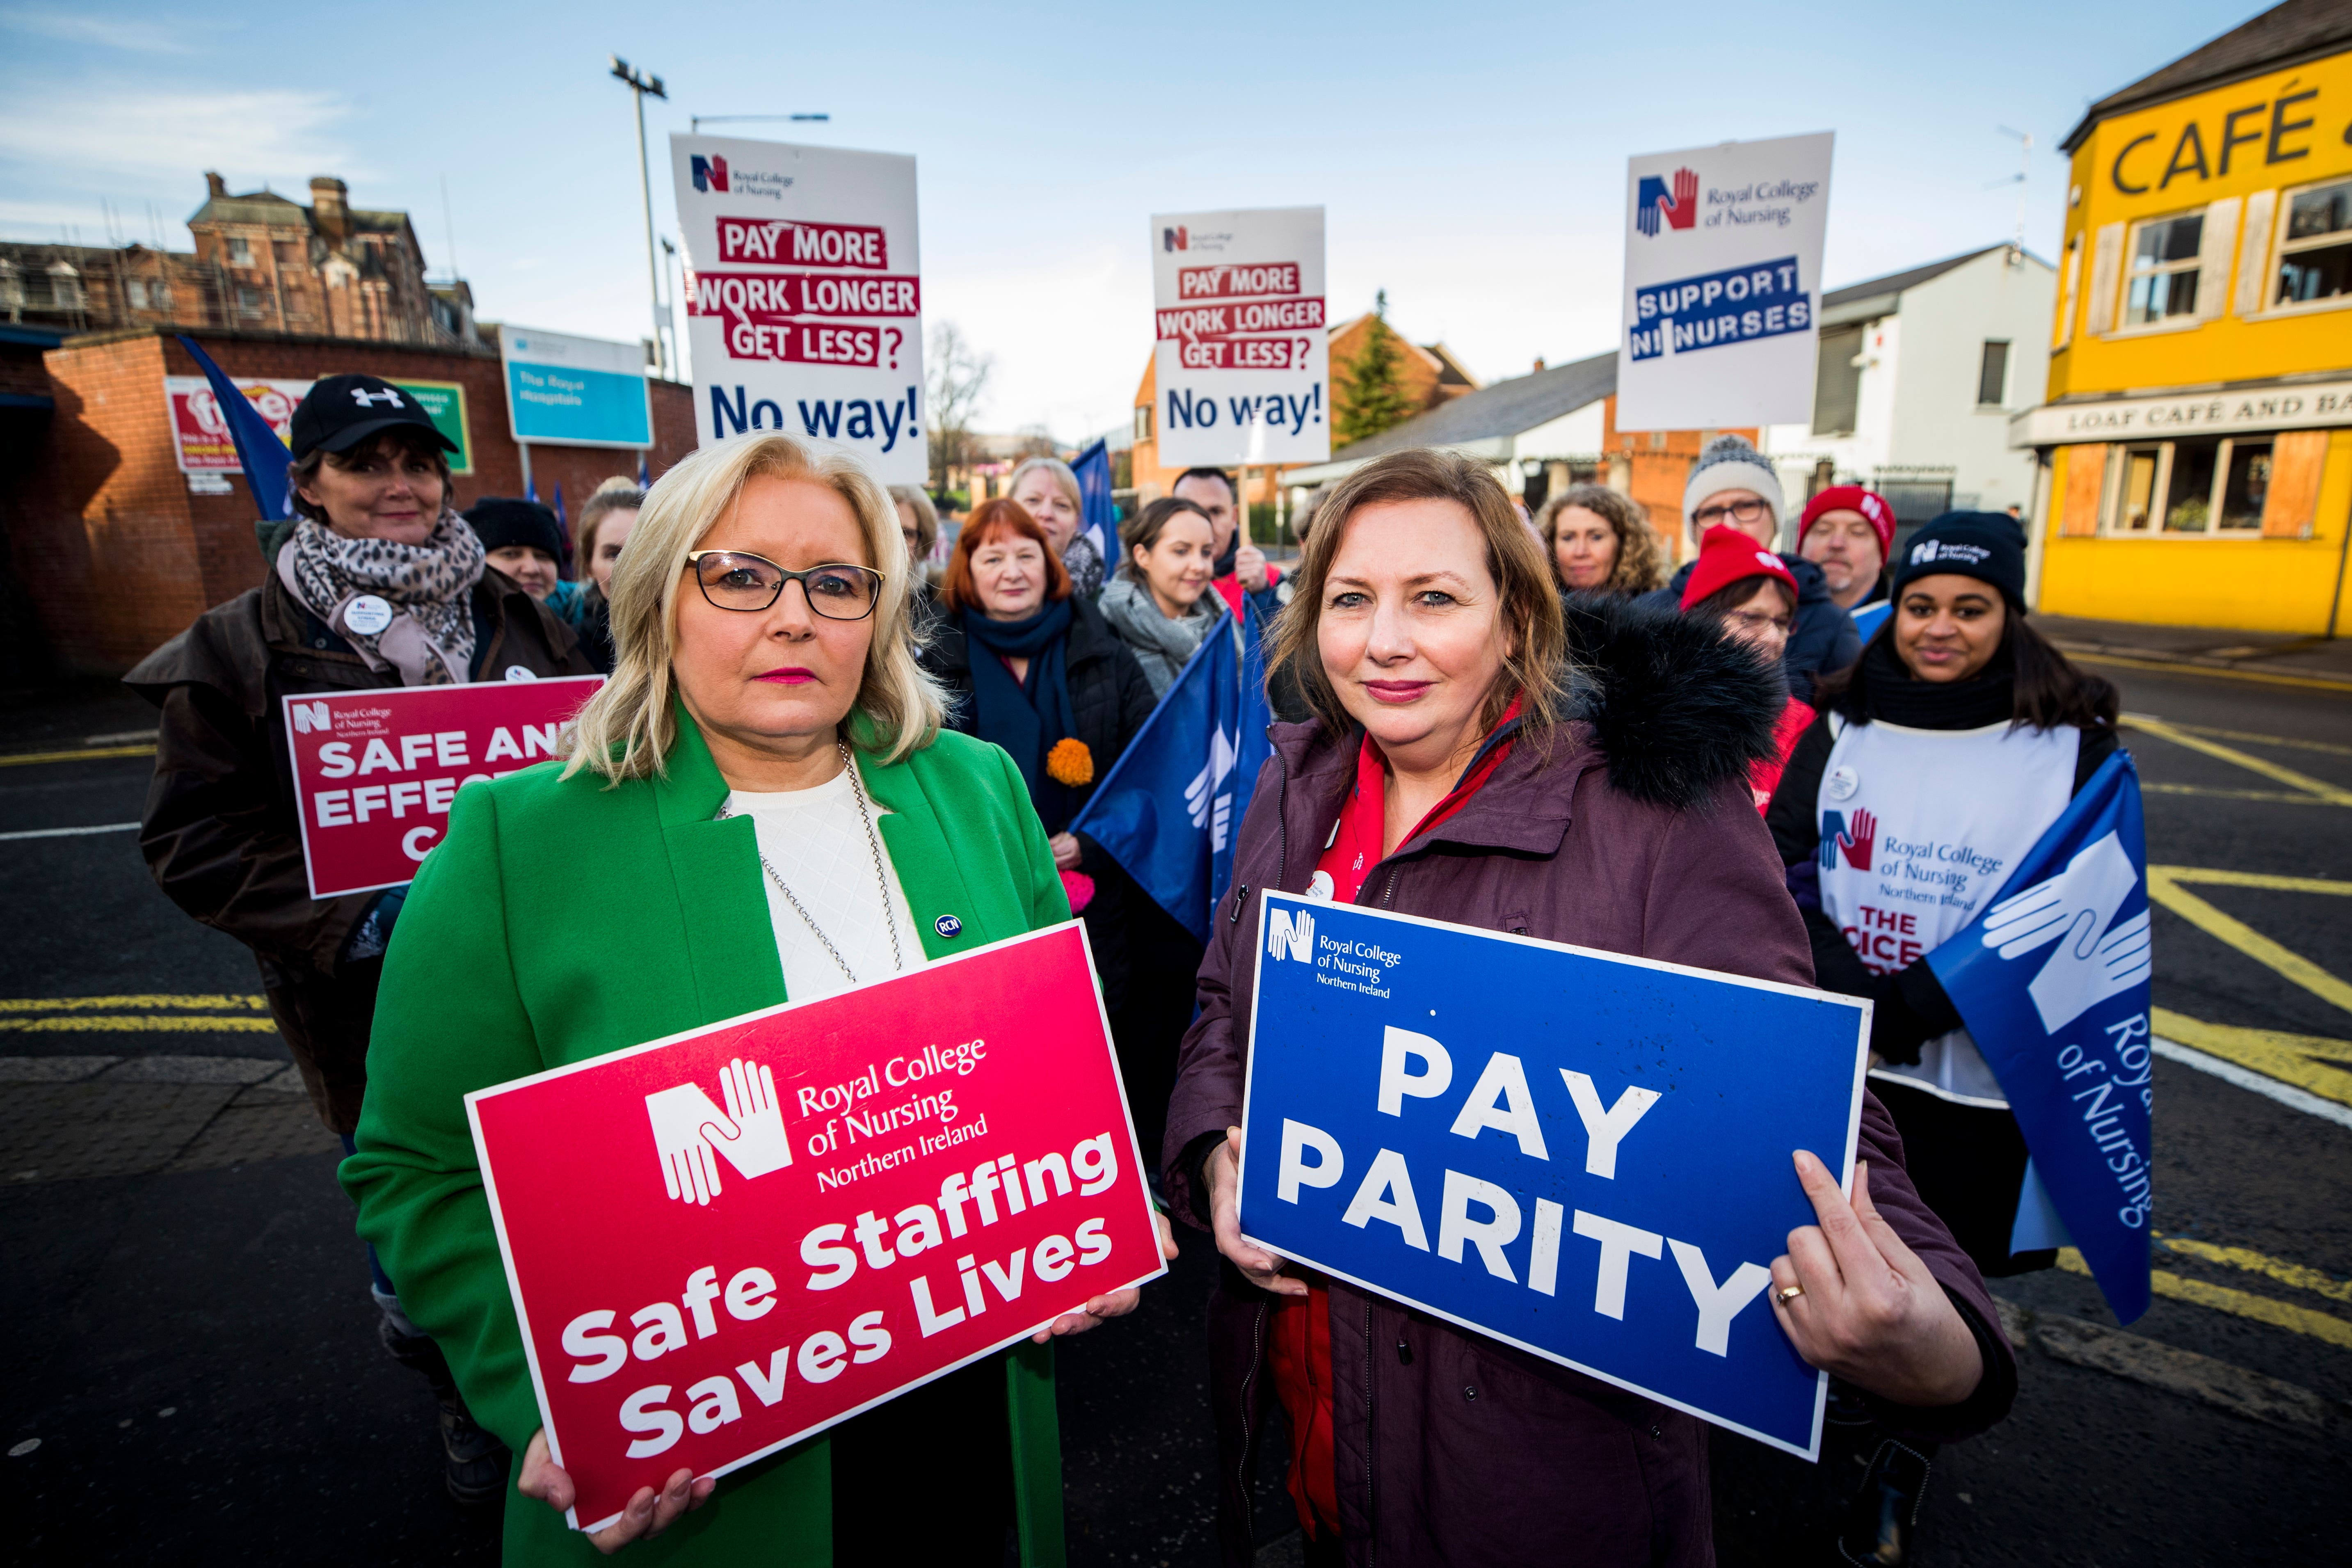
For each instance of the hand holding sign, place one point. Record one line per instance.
(1259, 1266)
(1864, 1308)
(648, 1515)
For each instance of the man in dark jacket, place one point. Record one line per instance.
(1628, 831)
(1733, 484)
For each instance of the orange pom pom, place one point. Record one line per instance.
(1069, 762)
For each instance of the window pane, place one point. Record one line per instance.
(2157, 295)
(1993, 374)
(2250, 482)
(2189, 499)
(2323, 272)
(1837, 381)
(2174, 240)
(2322, 211)
(2139, 489)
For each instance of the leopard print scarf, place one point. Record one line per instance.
(430, 639)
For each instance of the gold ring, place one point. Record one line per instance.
(1788, 1295)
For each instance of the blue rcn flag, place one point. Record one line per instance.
(1870, 617)
(1169, 809)
(1099, 520)
(263, 455)
(2052, 983)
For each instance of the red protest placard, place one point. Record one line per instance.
(374, 772)
(825, 1204)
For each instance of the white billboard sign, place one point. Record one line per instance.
(1243, 362)
(1723, 267)
(805, 301)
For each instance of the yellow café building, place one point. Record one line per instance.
(2196, 449)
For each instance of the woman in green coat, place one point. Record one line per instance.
(760, 805)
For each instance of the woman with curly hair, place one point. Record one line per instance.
(1599, 542)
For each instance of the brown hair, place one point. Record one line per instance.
(927, 517)
(304, 471)
(1535, 668)
(1142, 531)
(1737, 594)
(990, 518)
(618, 493)
(1641, 564)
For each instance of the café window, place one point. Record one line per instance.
(2212, 487)
(2164, 262)
(2316, 250)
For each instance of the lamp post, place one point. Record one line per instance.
(641, 84)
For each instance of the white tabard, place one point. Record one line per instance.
(1920, 830)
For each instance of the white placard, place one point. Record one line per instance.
(805, 301)
(1723, 266)
(1243, 358)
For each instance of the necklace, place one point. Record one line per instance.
(881, 880)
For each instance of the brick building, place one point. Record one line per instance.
(261, 263)
(114, 550)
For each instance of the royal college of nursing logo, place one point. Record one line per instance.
(709, 173)
(1290, 933)
(1856, 846)
(1651, 201)
(690, 1134)
(1174, 239)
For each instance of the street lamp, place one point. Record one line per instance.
(641, 84)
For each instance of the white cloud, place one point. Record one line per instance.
(146, 38)
(274, 133)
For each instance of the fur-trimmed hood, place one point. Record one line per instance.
(1677, 709)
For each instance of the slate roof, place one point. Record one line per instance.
(1896, 282)
(2279, 38)
(1499, 408)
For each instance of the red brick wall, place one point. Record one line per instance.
(118, 555)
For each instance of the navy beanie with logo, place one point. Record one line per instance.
(1987, 545)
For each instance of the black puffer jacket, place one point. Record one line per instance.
(1110, 698)
(1823, 640)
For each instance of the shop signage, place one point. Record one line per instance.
(2300, 407)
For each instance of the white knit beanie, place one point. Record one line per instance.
(1729, 463)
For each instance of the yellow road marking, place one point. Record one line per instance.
(2277, 796)
(2269, 770)
(2165, 888)
(214, 1001)
(2255, 880)
(2253, 1262)
(2330, 748)
(81, 754)
(2259, 677)
(2238, 1303)
(2290, 1059)
(113, 1023)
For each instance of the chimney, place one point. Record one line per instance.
(328, 209)
(1539, 364)
(214, 184)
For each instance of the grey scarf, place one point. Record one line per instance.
(1160, 645)
(429, 587)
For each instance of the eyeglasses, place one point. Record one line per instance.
(736, 580)
(1737, 511)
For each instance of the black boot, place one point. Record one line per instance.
(1882, 1521)
(474, 1463)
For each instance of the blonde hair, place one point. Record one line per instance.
(1065, 478)
(1536, 667)
(926, 516)
(626, 729)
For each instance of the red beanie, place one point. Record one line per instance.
(1852, 498)
(1727, 556)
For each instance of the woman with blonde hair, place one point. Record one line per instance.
(764, 807)
(1047, 490)
(1599, 542)
(1451, 772)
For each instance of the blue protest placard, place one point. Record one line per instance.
(576, 392)
(1579, 1154)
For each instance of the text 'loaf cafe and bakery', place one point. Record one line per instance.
(2196, 450)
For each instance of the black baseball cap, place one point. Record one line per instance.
(342, 411)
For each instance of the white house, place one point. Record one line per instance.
(1918, 374)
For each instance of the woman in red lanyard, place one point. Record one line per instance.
(1479, 758)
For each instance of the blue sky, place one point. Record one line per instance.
(1471, 158)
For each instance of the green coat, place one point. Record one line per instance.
(562, 919)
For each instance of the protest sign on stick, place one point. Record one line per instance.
(375, 772)
(824, 1206)
(1723, 284)
(1243, 362)
(1576, 1152)
(804, 296)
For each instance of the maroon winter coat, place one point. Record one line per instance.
(1636, 835)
